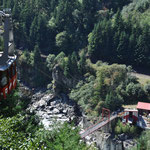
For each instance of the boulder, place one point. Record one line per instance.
(55, 111)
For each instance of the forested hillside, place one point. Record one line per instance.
(86, 49)
(76, 34)
(113, 31)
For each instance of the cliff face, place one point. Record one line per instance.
(60, 82)
(105, 142)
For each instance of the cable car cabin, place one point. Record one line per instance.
(8, 73)
(8, 77)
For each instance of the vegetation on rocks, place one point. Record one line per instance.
(125, 128)
(143, 141)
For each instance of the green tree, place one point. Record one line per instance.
(134, 93)
(109, 78)
(147, 88)
(74, 63)
(118, 130)
(82, 63)
(113, 101)
(38, 67)
(42, 32)
(16, 10)
(50, 60)
(89, 10)
(1, 44)
(100, 41)
(63, 15)
(83, 95)
(132, 130)
(33, 32)
(37, 57)
(67, 65)
(143, 141)
(62, 41)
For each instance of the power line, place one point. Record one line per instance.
(50, 77)
(45, 74)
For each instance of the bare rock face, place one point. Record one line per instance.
(129, 144)
(61, 83)
(54, 110)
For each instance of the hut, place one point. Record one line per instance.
(130, 116)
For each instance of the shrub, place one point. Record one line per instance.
(132, 130)
(118, 130)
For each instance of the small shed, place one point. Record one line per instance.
(143, 108)
(130, 115)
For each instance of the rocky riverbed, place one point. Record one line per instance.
(54, 110)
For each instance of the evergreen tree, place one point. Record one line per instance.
(38, 67)
(63, 15)
(63, 42)
(89, 9)
(37, 56)
(34, 32)
(67, 67)
(122, 48)
(16, 11)
(42, 31)
(82, 63)
(74, 63)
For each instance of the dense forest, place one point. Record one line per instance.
(94, 43)
(77, 34)
(113, 31)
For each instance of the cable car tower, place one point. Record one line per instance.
(8, 73)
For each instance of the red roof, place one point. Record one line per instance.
(145, 106)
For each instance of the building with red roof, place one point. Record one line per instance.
(143, 107)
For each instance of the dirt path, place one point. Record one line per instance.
(142, 77)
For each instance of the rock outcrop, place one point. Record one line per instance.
(60, 82)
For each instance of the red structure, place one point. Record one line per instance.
(8, 73)
(8, 78)
(103, 121)
(130, 116)
(105, 113)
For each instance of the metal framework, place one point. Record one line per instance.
(8, 72)
(103, 121)
(8, 53)
(105, 113)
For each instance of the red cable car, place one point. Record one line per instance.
(8, 73)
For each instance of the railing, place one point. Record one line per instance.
(100, 124)
(96, 126)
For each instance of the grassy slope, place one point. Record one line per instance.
(143, 79)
